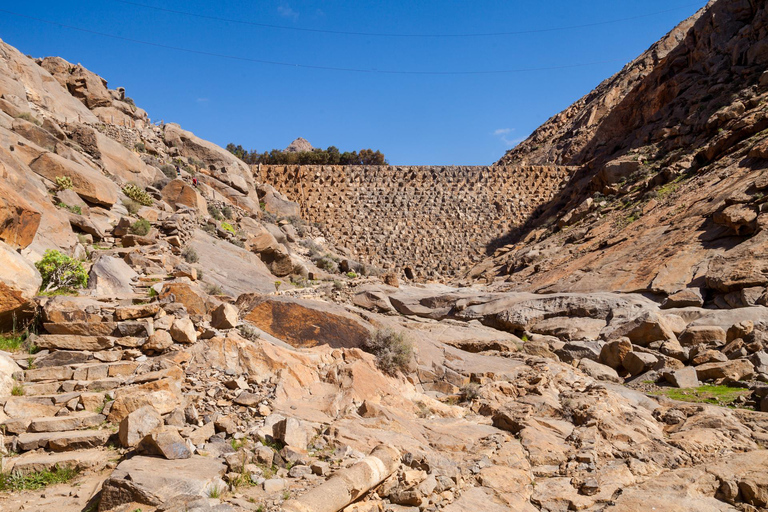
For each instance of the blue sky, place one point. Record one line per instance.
(456, 119)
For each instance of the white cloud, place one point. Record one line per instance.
(503, 135)
(286, 12)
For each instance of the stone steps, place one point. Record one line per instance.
(62, 441)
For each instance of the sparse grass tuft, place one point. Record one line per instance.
(248, 332)
(11, 343)
(17, 390)
(190, 256)
(74, 209)
(10, 482)
(708, 394)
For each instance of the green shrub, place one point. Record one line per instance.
(15, 481)
(351, 275)
(226, 211)
(17, 390)
(59, 271)
(140, 147)
(138, 194)
(169, 171)
(190, 256)
(393, 350)
(74, 209)
(228, 227)
(63, 182)
(141, 227)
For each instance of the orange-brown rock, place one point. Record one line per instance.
(303, 323)
(177, 192)
(89, 184)
(194, 299)
(19, 220)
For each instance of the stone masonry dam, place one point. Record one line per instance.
(429, 222)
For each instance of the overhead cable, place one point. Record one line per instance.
(308, 66)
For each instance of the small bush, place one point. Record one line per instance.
(238, 242)
(248, 332)
(59, 271)
(214, 289)
(63, 182)
(17, 390)
(228, 227)
(138, 194)
(14, 481)
(351, 275)
(169, 171)
(11, 343)
(74, 209)
(140, 147)
(132, 206)
(141, 227)
(227, 212)
(393, 350)
(214, 212)
(327, 264)
(277, 285)
(209, 228)
(190, 256)
(470, 392)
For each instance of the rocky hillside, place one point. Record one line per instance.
(195, 346)
(670, 195)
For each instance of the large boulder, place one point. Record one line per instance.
(19, 282)
(227, 167)
(277, 204)
(224, 316)
(138, 424)
(303, 323)
(84, 85)
(177, 192)
(152, 481)
(111, 276)
(191, 296)
(645, 328)
(89, 184)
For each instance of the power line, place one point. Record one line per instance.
(390, 34)
(306, 66)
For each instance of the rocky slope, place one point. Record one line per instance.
(191, 375)
(670, 192)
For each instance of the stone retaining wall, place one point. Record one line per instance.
(434, 221)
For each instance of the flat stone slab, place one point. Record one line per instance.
(81, 461)
(63, 441)
(153, 481)
(62, 423)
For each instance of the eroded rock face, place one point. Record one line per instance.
(19, 220)
(89, 184)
